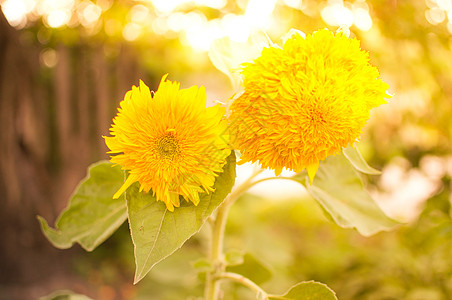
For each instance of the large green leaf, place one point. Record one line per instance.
(340, 191)
(308, 290)
(357, 160)
(92, 214)
(157, 232)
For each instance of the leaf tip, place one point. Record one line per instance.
(44, 225)
(137, 278)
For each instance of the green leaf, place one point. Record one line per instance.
(234, 257)
(308, 290)
(157, 232)
(64, 295)
(251, 268)
(356, 159)
(338, 188)
(92, 214)
(203, 265)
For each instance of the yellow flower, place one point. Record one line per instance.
(169, 141)
(305, 101)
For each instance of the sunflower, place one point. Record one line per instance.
(304, 101)
(169, 142)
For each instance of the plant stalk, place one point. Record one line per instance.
(212, 288)
(246, 282)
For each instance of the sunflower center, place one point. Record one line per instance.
(316, 116)
(167, 146)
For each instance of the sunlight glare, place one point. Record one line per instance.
(58, 18)
(89, 15)
(236, 27)
(44, 7)
(444, 4)
(259, 13)
(165, 6)
(139, 14)
(362, 19)
(294, 3)
(56, 13)
(16, 11)
(177, 21)
(216, 4)
(337, 15)
(131, 31)
(160, 25)
(435, 15)
(200, 33)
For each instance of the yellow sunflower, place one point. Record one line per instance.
(169, 141)
(304, 101)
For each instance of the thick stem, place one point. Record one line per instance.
(216, 252)
(216, 247)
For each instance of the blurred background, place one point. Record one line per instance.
(66, 64)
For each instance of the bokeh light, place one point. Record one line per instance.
(340, 13)
(180, 18)
(438, 11)
(16, 11)
(88, 13)
(48, 57)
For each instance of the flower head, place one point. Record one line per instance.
(304, 101)
(169, 141)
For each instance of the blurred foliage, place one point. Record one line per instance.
(293, 238)
(297, 243)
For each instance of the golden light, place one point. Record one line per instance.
(197, 32)
(236, 27)
(435, 15)
(104, 4)
(201, 38)
(131, 31)
(438, 11)
(165, 17)
(112, 27)
(160, 25)
(139, 14)
(340, 13)
(216, 4)
(165, 6)
(297, 4)
(45, 6)
(90, 13)
(362, 19)
(16, 11)
(177, 21)
(259, 13)
(48, 57)
(58, 18)
(336, 14)
(55, 13)
(444, 4)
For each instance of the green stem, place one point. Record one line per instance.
(261, 294)
(270, 178)
(216, 247)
